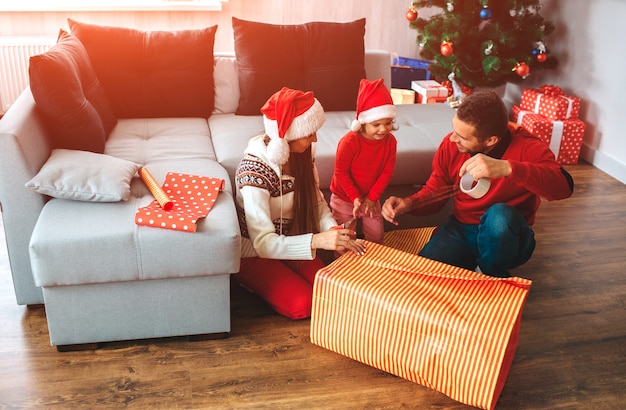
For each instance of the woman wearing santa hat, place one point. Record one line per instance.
(365, 161)
(283, 216)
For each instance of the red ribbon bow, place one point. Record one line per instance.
(549, 89)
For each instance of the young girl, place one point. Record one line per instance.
(365, 160)
(282, 213)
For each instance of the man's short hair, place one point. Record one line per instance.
(485, 111)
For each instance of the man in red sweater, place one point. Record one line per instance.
(491, 232)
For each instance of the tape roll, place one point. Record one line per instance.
(475, 189)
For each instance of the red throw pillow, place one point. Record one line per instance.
(151, 74)
(70, 96)
(323, 57)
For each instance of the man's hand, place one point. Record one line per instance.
(483, 166)
(393, 207)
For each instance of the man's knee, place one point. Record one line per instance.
(501, 218)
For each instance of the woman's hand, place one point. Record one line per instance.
(339, 240)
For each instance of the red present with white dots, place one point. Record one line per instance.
(565, 137)
(551, 102)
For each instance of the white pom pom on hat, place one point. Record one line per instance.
(374, 103)
(289, 115)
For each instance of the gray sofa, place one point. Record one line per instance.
(104, 278)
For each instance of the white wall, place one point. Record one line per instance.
(386, 26)
(589, 42)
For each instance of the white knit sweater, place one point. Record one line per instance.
(262, 205)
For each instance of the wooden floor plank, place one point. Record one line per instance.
(571, 352)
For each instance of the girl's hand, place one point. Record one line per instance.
(371, 208)
(356, 209)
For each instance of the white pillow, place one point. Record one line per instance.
(84, 176)
(226, 83)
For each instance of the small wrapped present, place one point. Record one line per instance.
(449, 329)
(429, 89)
(404, 70)
(565, 137)
(402, 96)
(551, 102)
(430, 100)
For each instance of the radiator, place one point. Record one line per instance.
(14, 55)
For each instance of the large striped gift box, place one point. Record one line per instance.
(450, 329)
(409, 240)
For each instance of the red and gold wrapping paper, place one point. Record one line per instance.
(449, 329)
(551, 102)
(565, 137)
(155, 189)
(192, 198)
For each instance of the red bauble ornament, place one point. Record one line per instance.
(411, 15)
(522, 69)
(541, 57)
(446, 48)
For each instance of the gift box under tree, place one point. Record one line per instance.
(565, 137)
(429, 91)
(404, 70)
(551, 102)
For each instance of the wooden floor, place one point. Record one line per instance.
(571, 352)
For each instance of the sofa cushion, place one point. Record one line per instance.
(70, 96)
(421, 128)
(67, 232)
(150, 74)
(323, 57)
(84, 176)
(226, 84)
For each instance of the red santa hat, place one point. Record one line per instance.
(289, 115)
(373, 103)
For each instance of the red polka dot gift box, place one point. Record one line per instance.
(551, 102)
(565, 137)
(180, 203)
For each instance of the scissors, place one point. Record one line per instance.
(346, 224)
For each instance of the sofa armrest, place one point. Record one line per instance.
(378, 65)
(24, 149)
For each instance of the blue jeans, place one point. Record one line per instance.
(503, 240)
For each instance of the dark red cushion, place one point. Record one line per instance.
(72, 100)
(150, 74)
(326, 58)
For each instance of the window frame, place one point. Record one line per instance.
(110, 5)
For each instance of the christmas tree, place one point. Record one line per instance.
(482, 43)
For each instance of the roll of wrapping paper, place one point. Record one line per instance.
(156, 190)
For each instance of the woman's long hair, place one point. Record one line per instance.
(305, 214)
